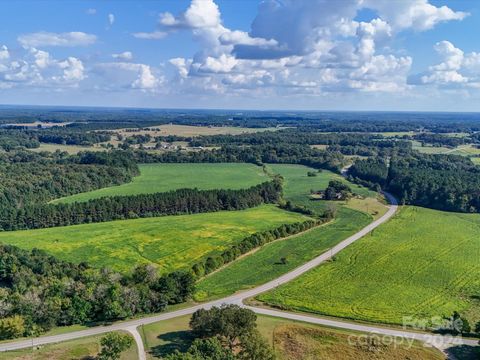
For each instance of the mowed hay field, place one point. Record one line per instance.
(291, 340)
(422, 263)
(155, 178)
(170, 242)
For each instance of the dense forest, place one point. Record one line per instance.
(28, 178)
(259, 155)
(445, 182)
(38, 292)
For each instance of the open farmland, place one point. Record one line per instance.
(165, 177)
(190, 131)
(423, 263)
(170, 242)
(298, 185)
(71, 149)
(291, 340)
(297, 249)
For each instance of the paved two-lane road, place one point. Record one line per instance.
(238, 298)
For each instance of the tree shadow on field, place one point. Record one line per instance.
(175, 340)
(464, 352)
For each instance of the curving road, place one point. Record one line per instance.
(132, 325)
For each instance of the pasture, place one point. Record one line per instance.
(169, 243)
(423, 263)
(297, 187)
(155, 178)
(291, 340)
(298, 184)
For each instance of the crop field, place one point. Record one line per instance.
(71, 149)
(298, 249)
(422, 263)
(462, 150)
(264, 264)
(165, 177)
(190, 131)
(309, 342)
(79, 349)
(170, 242)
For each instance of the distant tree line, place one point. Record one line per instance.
(182, 201)
(39, 292)
(444, 182)
(363, 144)
(259, 155)
(95, 119)
(439, 140)
(67, 136)
(16, 138)
(27, 178)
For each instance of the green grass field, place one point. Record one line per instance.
(299, 249)
(264, 264)
(298, 184)
(165, 177)
(170, 242)
(291, 340)
(422, 263)
(80, 349)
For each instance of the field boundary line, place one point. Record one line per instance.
(237, 299)
(253, 251)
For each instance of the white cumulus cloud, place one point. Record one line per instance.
(126, 55)
(154, 35)
(41, 39)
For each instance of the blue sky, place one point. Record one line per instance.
(242, 54)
